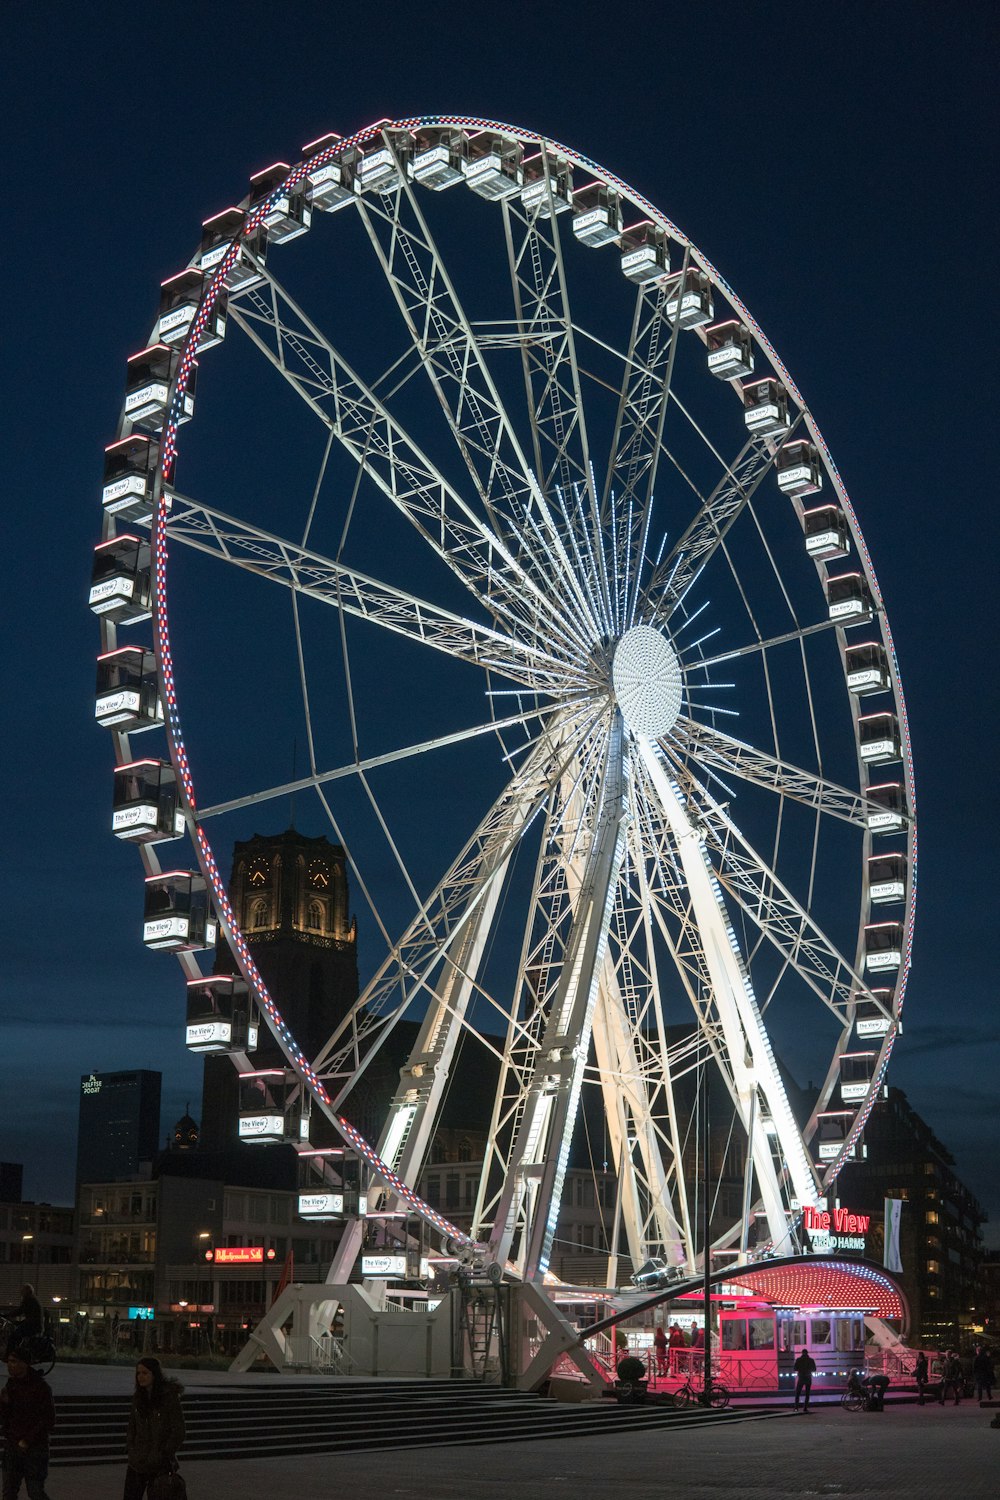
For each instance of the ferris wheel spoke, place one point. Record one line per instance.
(635, 1072)
(548, 344)
(375, 439)
(446, 344)
(712, 748)
(752, 648)
(449, 350)
(405, 971)
(368, 763)
(637, 440)
(751, 1060)
(542, 1135)
(693, 550)
(309, 573)
(774, 910)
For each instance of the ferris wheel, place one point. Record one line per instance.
(501, 505)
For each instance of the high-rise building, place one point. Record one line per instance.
(119, 1125)
(940, 1222)
(11, 1181)
(290, 896)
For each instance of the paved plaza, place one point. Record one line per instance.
(920, 1453)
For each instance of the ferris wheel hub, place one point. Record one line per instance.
(647, 681)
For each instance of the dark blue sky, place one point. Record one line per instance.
(833, 162)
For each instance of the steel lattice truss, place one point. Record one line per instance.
(574, 510)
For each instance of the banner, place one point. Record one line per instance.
(890, 1259)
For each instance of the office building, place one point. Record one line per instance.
(119, 1125)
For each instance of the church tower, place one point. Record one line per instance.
(291, 899)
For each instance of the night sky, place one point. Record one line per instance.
(833, 162)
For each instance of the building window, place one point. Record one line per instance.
(314, 917)
(258, 914)
(932, 1216)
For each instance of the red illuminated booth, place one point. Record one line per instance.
(770, 1311)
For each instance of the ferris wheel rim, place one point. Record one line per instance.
(168, 451)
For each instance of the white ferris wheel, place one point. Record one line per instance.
(501, 504)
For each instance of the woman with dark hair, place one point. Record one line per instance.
(155, 1427)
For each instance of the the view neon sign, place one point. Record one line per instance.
(840, 1221)
(835, 1230)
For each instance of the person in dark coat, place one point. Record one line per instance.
(982, 1371)
(27, 1416)
(660, 1346)
(29, 1317)
(952, 1378)
(920, 1375)
(805, 1369)
(155, 1428)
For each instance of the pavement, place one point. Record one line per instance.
(920, 1453)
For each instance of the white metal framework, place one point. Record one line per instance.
(606, 711)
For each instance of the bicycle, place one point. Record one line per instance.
(41, 1351)
(715, 1395)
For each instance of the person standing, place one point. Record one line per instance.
(28, 1315)
(155, 1427)
(660, 1347)
(920, 1375)
(27, 1416)
(982, 1370)
(676, 1343)
(805, 1369)
(951, 1378)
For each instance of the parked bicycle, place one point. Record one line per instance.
(41, 1351)
(714, 1393)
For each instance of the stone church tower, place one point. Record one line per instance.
(291, 899)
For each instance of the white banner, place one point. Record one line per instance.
(890, 1258)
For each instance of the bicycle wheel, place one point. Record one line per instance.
(43, 1354)
(718, 1395)
(686, 1397)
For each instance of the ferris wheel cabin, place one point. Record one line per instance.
(857, 1069)
(120, 581)
(438, 157)
(220, 1015)
(180, 298)
(832, 1130)
(129, 471)
(546, 195)
(887, 877)
(492, 165)
(178, 915)
(765, 407)
(826, 533)
(887, 807)
(218, 233)
(128, 697)
(689, 302)
(147, 387)
(597, 215)
(883, 946)
(329, 185)
(290, 214)
(798, 469)
(645, 254)
(873, 1017)
(382, 165)
(867, 668)
(879, 738)
(274, 1107)
(730, 350)
(145, 807)
(849, 600)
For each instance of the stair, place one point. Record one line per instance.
(244, 1421)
